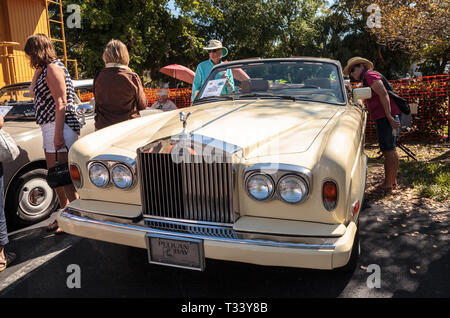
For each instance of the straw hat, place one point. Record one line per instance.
(355, 61)
(215, 44)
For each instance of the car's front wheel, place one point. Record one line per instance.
(30, 199)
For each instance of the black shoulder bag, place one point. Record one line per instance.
(59, 175)
(401, 102)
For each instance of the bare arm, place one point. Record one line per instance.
(382, 93)
(141, 98)
(57, 84)
(1, 122)
(37, 72)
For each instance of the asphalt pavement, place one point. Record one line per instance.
(401, 256)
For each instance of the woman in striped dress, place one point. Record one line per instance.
(53, 93)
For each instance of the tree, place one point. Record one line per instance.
(418, 28)
(262, 28)
(154, 36)
(344, 33)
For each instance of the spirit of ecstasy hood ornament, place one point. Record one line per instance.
(184, 118)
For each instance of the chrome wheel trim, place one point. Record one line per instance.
(35, 197)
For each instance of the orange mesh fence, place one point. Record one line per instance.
(181, 96)
(430, 96)
(86, 97)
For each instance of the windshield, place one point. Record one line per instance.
(19, 100)
(21, 105)
(295, 80)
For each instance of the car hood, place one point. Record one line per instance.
(21, 129)
(259, 127)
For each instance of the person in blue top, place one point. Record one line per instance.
(216, 53)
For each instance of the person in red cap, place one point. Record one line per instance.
(384, 111)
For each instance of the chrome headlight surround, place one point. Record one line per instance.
(300, 185)
(278, 172)
(263, 178)
(110, 162)
(122, 176)
(101, 173)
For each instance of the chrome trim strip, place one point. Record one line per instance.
(117, 158)
(187, 222)
(180, 236)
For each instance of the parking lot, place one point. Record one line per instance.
(410, 249)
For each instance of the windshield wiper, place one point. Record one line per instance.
(269, 95)
(214, 97)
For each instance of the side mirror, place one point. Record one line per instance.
(83, 110)
(362, 93)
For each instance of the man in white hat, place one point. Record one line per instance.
(216, 52)
(384, 111)
(163, 103)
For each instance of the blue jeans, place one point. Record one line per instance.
(3, 230)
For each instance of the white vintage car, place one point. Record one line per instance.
(29, 199)
(267, 167)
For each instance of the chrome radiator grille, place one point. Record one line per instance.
(197, 191)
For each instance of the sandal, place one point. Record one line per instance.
(10, 257)
(52, 227)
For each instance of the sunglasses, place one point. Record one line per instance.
(353, 68)
(215, 50)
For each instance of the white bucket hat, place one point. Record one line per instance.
(215, 44)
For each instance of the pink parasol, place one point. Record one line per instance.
(179, 72)
(239, 74)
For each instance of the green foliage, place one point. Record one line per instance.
(432, 180)
(264, 28)
(156, 37)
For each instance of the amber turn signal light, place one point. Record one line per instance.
(355, 207)
(75, 175)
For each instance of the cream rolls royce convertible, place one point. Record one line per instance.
(267, 167)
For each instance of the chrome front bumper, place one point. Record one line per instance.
(220, 242)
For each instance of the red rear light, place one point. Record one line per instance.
(329, 195)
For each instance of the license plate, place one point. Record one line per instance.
(173, 251)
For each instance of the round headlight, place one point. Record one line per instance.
(122, 176)
(99, 175)
(292, 189)
(260, 186)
